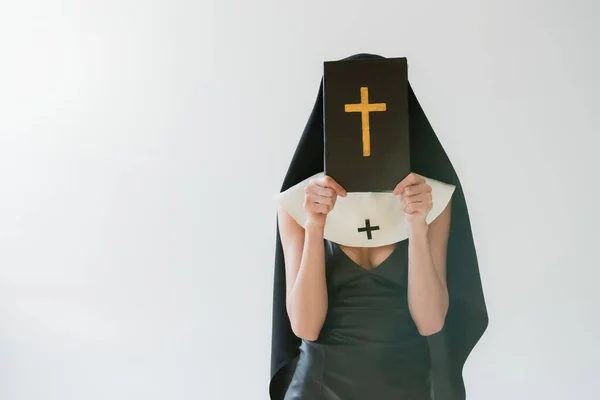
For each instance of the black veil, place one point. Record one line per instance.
(467, 314)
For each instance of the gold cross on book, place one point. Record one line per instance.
(365, 108)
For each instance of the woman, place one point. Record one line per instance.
(378, 328)
(395, 321)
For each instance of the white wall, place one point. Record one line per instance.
(137, 222)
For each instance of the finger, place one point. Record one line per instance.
(312, 206)
(328, 181)
(319, 208)
(417, 189)
(416, 208)
(418, 198)
(321, 195)
(326, 200)
(320, 190)
(411, 179)
(331, 183)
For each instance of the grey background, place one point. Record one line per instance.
(142, 144)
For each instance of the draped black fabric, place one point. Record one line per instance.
(467, 317)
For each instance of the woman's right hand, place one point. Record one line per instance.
(319, 199)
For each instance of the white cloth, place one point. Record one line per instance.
(382, 209)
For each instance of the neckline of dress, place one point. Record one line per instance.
(370, 270)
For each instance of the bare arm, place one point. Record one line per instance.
(427, 291)
(306, 289)
(304, 254)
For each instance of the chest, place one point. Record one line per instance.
(368, 258)
(381, 271)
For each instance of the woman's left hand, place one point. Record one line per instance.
(415, 195)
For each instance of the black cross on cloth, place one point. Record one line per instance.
(368, 228)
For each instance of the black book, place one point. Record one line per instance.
(366, 123)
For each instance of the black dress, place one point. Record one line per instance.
(369, 347)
